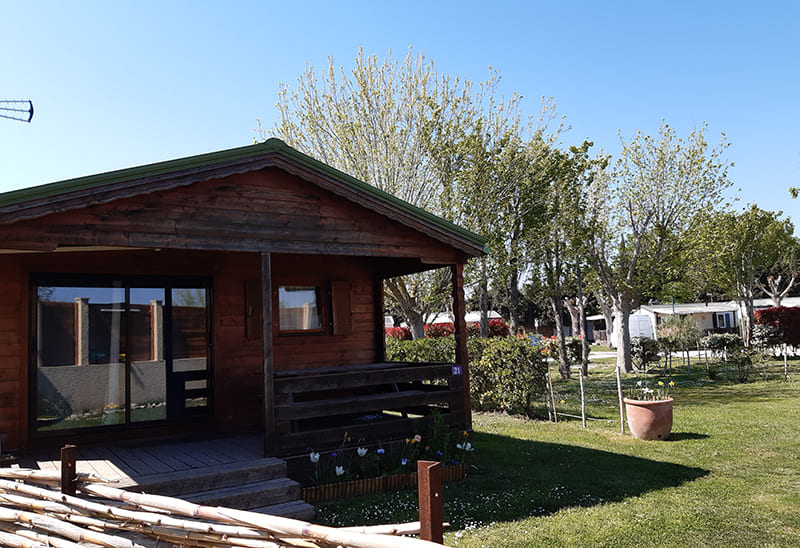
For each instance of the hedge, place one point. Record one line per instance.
(497, 328)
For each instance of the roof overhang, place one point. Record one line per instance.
(34, 202)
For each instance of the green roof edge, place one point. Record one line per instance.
(273, 144)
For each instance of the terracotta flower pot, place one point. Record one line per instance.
(649, 420)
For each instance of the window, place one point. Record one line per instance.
(300, 308)
(118, 351)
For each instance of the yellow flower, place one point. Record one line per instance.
(672, 383)
(563, 402)
(660, 383)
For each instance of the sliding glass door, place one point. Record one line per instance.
(122, 351)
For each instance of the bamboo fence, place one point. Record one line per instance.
(35, 514)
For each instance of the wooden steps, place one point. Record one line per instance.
(260, 485)
(225, 471)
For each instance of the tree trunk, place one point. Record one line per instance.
(513, 302)
(573, 316)
(622, 314)
(416, 324)
(563, 361)
(608, 315)
(582, 324)
(483, 298)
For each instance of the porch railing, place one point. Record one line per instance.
(374, 402)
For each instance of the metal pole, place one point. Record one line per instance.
(429, 481)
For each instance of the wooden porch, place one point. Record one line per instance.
(228, 471)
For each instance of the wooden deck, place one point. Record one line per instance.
(131, 463)
(227, 471)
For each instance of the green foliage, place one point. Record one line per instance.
(574, 349)
(766, 335)
(433, 350)
(510, 376)
(737, 249)
(642, 208)
(721, 343)
(678, 332)
(644, 351)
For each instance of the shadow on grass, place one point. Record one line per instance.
(521, 478)
(517, 479)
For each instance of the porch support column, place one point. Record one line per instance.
(266, 344)
(460, 329)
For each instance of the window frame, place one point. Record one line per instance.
(128, 281)
(323, 296)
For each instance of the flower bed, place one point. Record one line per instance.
(369, 486)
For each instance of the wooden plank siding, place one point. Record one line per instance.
(13, 354)
(238, 369)
(267, 210)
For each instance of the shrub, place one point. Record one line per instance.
(399, 333)
(498, 328)
(435, 350)
(509, 376)
(786, 320)
(439, 330)
(766, 334)
(574, 349)
(722, 342)
(644, 351)
(549, 347)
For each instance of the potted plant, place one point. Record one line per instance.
(649, 411)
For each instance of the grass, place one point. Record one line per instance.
(729, 476)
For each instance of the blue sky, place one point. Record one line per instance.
(117, 84)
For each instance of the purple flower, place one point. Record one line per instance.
(380, 451)
(333, 454)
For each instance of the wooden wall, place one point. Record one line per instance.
(267, 210)
(238, 377)
(13, 355)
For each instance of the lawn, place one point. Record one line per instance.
(729, 475)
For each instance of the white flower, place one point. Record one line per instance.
(361, 451)
(314, 457)
(339, 470)
(468, 447)
(459, 446)
(638, 383)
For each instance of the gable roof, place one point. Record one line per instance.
(32, 202)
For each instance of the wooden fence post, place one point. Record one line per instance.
(429, 479)
(69, 475)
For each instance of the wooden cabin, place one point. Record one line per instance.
(241, 288)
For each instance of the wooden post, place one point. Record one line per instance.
(69, 476)
(266, 346)
(429, 481)
(460, 333)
